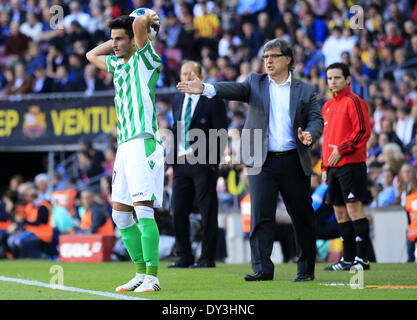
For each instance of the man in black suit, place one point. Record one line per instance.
(196, 181)
(286, 112)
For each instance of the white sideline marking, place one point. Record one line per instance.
(73, 289)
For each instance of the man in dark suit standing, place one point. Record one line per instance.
(285, 110)
(195, 181)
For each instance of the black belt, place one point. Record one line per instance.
(281, 153)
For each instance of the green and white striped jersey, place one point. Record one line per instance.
(135, 83)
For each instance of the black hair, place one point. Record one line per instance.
(341, 66)
(123, 22)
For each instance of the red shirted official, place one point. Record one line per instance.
(346, 126)
(346, 131)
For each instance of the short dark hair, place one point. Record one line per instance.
(286, 49)
(123, 22)
(341, 66)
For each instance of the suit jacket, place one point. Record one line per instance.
(304, 112)
(208, 114)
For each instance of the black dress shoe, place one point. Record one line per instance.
(181, 264)
(259, 276)
(204, 264)
(304, 277)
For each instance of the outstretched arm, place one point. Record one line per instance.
(97, 56)
(227, 89)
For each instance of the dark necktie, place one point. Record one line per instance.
(187, 123)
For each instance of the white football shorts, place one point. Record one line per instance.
(138, 173)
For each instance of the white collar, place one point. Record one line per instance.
(192, 96)
(288, 81)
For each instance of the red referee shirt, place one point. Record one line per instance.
(347, 126)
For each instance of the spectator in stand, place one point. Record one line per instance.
(6, 207)
(409, 30)
(64, 82)
(41, 82)
(338, 20)
(41, 182)
(22, 83)
(206, 26)
(77, 15)
(95, 219)
(315, 28)
(36, 227)
(264, 26)
(407, 183)
(251, 38)
(244, 72)
(76, 69)
(361, 75)
(412, 47)
(313, 55)
(186, 37)
(90, 161)
(387, 61)
(392, 157)
(249, 7)
(400, 58)
(97, 23)
(332, 48)
(54, 59)
(378, 105)
(374, 149)
(170, 30)
(16, 43)
(280, 31)
(34, 58)
(32, 27)
(406, 90)
(414, 130)
(291, 25)
(90, 83)
(387, 196)
(404, 126)
(16, 11)
(388, 129)
(394, 14)
(76, 32)
(392, 36)
(4, 26)
(413, 158)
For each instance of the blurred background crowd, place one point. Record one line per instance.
(39, 53)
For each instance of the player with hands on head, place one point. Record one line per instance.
(138, 175)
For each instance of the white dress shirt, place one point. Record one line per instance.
(280, 128)
(194, 101)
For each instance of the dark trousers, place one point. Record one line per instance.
(411, 247)
(195, 183)
(282, 174)
(24, 244)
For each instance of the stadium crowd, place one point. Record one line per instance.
(39, 53)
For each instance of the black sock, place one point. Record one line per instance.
(347, 233)
(361, 227)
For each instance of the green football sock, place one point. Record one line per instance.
(132, 239)
(150, 245)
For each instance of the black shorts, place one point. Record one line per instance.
(347, 184)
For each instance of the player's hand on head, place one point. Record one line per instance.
(154, 18)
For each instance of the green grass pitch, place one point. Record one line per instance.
(225, 282)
